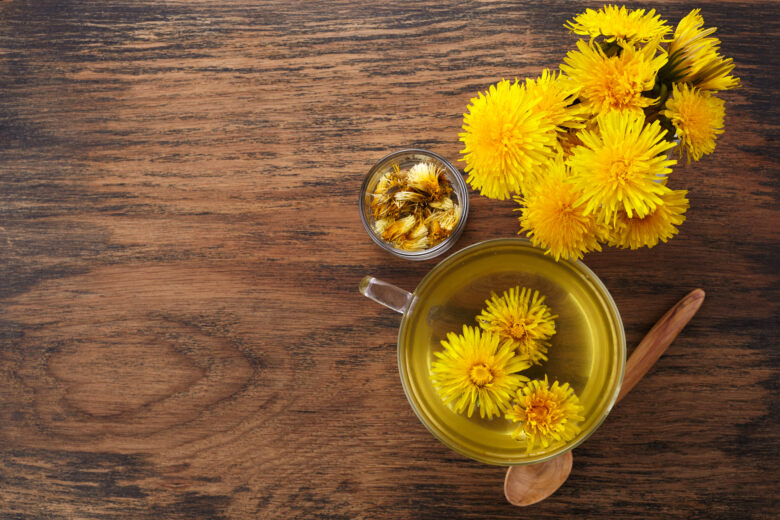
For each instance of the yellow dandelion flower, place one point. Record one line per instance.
(522, 317)
(660, 224)
(694, 58)
(617, 82)
(622, 166)
(613, 22)
(504, 139)
(555, 219)
(477, 369)
(554, 95)
(698, 118)
(547, 414)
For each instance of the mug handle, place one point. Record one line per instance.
(386, 294)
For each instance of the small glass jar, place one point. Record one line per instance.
(405, 159)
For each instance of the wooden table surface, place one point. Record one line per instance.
(181, 334)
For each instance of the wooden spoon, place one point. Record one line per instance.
(532, 483)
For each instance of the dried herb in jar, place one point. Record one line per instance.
(413, 209)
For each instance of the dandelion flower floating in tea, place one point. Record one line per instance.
(660, 224)
(621, 166)
(698, 118)
(413, 210)
(522, 317)
(477, 370)
(555, 219)
(546, 414)
(619, 23)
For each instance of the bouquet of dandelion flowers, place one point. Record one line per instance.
(586, 150)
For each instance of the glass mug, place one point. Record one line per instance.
(588, 350)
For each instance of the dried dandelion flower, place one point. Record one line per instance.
(381, 225)
(383, 203)
(522, 317)
(614, 82)
(413, 210)
(622, 166)
(547, 414)
(443, 221)
(505, 139)
(619, 23)
(660, 224)
(477, 370)
(698, 118)
(410, 196)
(398, 229)
(426, 178)
(443, 204)
(416, 239)
(554, 217)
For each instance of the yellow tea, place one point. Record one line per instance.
(588, 350)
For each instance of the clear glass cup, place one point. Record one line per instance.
(405, 159)
(588, 350)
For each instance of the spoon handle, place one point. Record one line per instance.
(659, 338)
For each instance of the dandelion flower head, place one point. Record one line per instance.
(477, 370)
(614, 82)
(504, 139)
(554, 217)
(521, 316)
(621, 166)
(613, 22)
(554, 95)
(425, 177)
(547, 414)
(698, 118)
(660, 224)
(694, 57)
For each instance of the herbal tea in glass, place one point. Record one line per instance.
(587, 349)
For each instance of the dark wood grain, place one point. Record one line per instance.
(181, 334)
